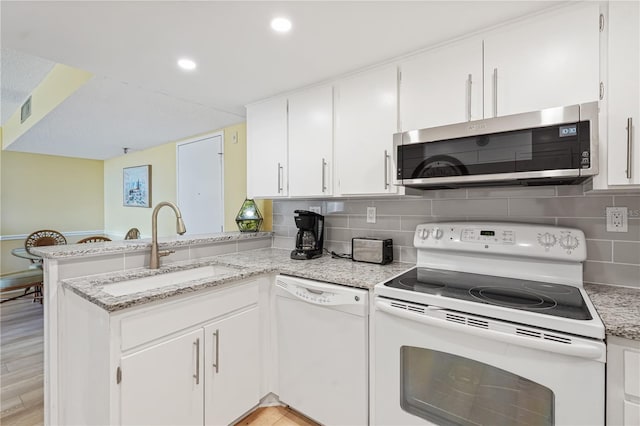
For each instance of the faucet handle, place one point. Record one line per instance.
(165, 252)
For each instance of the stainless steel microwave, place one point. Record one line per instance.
(548, 147)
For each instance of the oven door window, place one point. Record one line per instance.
(448, 389)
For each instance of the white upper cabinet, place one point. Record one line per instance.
(548, 61)
(311, 142)
(267, 149)
(366, 119)
(442, 86)
(623, 93)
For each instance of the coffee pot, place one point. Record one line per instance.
(310, 235)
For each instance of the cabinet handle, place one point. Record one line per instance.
(469, 82)
(197, 374)
(324, 186)
(629, 145)
(279, 178)
(601, 90)
(216, 364)
(495, 92)
(386, 169)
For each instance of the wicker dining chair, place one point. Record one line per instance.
(43, 237)
(132, 234)
(95, 239)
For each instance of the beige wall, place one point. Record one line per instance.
(119, 219)
(47, 192)
(235, 177)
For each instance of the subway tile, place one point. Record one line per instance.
(494, 207)
(339, 247)
(408, 254)
(339, 234)
(612, 273)
(445, 194)
(279, 219)
(631, 202)
(181, 253)
(596, 229)
(209, 250)
(90, 265)
(569, 190)
(253, 244)
(335, 221)
(382, 222)
(419, 207)
(536, 220)
(288, 243)
(287, 207)
(626, 252)
(599, 250)
(280, 231)
(510, 191)
(409, 223)
(350, 207)
(560, 206)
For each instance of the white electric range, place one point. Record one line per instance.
(491, 327)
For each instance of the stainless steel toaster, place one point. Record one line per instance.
(372, 250)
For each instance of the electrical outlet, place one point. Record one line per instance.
(617, 219)
(316, 209)
(371, 215)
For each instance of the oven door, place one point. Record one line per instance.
(471, 370)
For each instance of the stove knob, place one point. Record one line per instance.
(547, 240)
(437, 233)
(569, 242)
(424, 234)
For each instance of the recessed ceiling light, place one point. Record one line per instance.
(281, 25)
(186, 64)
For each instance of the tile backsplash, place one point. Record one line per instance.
(612, 257)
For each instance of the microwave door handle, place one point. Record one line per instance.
(468, 83)
(629, 146)
(580, 350)
(495, 92)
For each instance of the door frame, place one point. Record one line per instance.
(197, 139)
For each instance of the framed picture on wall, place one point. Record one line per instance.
(136, 186)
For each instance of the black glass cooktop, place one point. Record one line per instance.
(544, 298)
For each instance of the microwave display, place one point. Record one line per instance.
(544, 148)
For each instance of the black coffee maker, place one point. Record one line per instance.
(310, 235)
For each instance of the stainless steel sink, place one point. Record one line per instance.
(171, 278)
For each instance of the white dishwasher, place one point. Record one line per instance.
(322, 336)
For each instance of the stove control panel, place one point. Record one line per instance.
(514, 239)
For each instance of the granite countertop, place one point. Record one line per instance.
(618, 307)
(122, 246)
(240, 266)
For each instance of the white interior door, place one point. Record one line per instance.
(201, 184)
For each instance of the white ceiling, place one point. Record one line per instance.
(141, 99)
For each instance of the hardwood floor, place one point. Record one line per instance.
(275, 416)
(22, 372)
(21, 363)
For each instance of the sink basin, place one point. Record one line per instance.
(164, 280)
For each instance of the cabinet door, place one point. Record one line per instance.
(624, 93)
(549, 61)
(163, 384)
(366, 119)
(311, 142)
(267, 149)
(232, 369)
(442, 86)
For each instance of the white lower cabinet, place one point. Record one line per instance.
(189, 360)
(162, 383)
(232, 367)
(623, 382)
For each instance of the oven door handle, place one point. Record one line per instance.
(576, 349)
